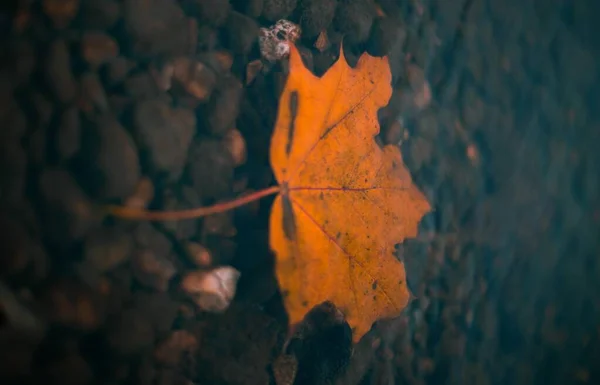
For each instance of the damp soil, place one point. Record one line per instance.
(160, 103)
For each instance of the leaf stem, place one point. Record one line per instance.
(125, 212)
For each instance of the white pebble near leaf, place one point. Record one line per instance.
(212, 290)
(275, 41)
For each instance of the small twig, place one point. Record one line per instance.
(141, 214)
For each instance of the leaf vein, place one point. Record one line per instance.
(332, 239)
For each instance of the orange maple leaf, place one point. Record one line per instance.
(343, 203)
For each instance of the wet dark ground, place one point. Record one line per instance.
(505, 271)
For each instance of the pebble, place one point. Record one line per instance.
(98, 48)
(101, 14)
(61, 12)
(130, 333)
(316, 16)
(354, 19)
(109, 165)
(92, 96)
(172, 350)
(211, 168)
(68, 138)
(14, 239)
(237, 147)
(68, 212)
(193, 76)
(153, 270)
(158, 308)
(385, 33)
(211, 12)
(198, 254)
(107, 248)
(13, 171)
(157, 27)
(69, 370)
(142, 196)
(212, 290)
(142, 86)
(17, 314)
(58, 72)
(278, 9)
(165, 133)
(115, 71)
(147, 236)
(285, 368)
(242, 32)
(252, 8)
(219, 224)
(419, 85)
(224, 106)
(24, 58)
(180, 229)
(72, 304)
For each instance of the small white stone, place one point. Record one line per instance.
(274, 42)
(212, 290)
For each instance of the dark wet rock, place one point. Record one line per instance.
(252, 8)
(284, 369)
(260, 336)
(92, 96)
(242, 33)
(236, 144)
(211, 12)
(320, 362)
(152, 270)
(108, 165)
(68, 138)
(354, 19)
(175, 348)
(98, 48)
(61, 12)
(44, 109)
(100, 14)
(157, 27)
(71, 304)
(147, 236)
(181, 229)
(143, 194)
(207, 38)
(14, 239)
(158, 308)
(142, 85)
(16, 362)
(69, 370)
(165, 133)
(13, 171)
(23, 60)
(190, 76)
(316, 16)
(116, 70)
(58, 72)
(211, 168)
(67, 211)
(37, 147)
(198, 254)
(130, 333)
(385, 33)
(274, 10)
(224, 106)
(107, 248)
